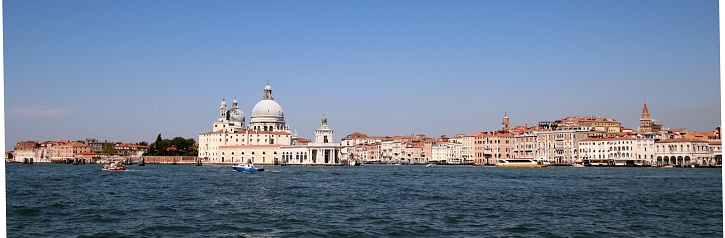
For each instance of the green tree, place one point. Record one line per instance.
(109, 149)
(178, 146)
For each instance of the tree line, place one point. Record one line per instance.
(174, 147)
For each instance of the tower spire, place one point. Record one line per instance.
(645, 112)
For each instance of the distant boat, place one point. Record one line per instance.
(577, 165)
(521, 163)
(429, 165)
(476, 164)
(117, 166)
(247, 168)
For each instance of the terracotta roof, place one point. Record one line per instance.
(303, 141)
(26, 145)
(681, 140)
(607, 139)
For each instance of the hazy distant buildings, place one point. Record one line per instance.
(65, 150)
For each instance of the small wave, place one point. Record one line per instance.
(105, 234)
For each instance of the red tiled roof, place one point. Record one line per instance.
(682, 140)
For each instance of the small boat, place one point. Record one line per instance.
(577, 165)
(522, 163)
(116, 166)
(476, 164)
(247, 168)
(429, 165)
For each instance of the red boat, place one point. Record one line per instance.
(476, 164)
(117, 166)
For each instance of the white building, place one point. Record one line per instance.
(644, 150)
(447, 153)
(683, 152)
(618, 151)
(266, 140)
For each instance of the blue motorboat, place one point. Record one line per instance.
(247, 168)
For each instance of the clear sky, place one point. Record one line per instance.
(128, 70)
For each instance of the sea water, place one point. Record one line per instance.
(59, 200)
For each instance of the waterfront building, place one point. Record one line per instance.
(266, 139)
(683, 152)
(618, 151)
(525, 143)
(560, 145)
(467, 147)
(479, 148)
(65, 150)
(129, 149)
(428, 144)
(69, 150)
(446, 152)
(596, 123)
(715, 148)
(644, 149)
(95, 145)
(500, 145)
(414, 153)
(26, 150)
(350, 147)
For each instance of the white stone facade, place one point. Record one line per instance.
(266, 140)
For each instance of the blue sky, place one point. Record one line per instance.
(129, 70)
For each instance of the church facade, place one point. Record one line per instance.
(266, 139)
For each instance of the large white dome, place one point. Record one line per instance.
(267, 108)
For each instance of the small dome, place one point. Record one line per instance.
(267, 108)
(237, 115)
(267, 87)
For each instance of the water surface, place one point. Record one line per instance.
(53, 200)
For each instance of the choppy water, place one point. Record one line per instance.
(53, 200)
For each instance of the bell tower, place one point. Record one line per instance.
(506, 125)
(645, 122)
(223, 109)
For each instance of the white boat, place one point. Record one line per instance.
(522, 163)
(577, 165)
(429, 165)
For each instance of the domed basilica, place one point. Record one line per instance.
(266, 140)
